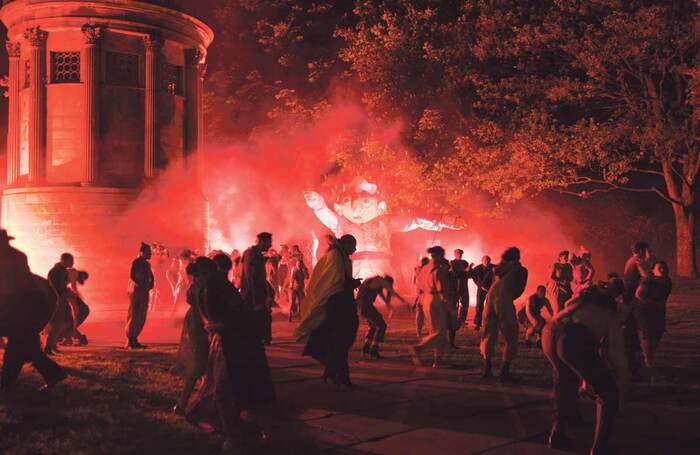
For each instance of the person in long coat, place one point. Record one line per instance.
(329, 320)
(237, 382)
(193, 351)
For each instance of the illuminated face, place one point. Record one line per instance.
(361, 209)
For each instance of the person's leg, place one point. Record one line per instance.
(632, 344)
(348, 337)
(565, 388)
(47, 368)
(12, 363)
(187, 389)
(478, 311)
(378, 338)
(580, 353)
(420, 319)
(223, 399)
(508, 325)
(136, 317)
(463, 304)
(430, 341)
(371, 330)
(489, 338)
(268, 326)
(561, 301)
(439, 326)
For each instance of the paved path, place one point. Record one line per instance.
(400, 409)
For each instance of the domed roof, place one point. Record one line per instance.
(174, 4)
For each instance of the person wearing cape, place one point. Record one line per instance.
(329, 318)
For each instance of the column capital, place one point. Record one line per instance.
(13, 48)
(36, 36)
(153, 42)
(92, 33)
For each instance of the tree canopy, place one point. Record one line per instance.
(514, 97)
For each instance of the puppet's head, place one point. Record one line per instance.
(360, 203)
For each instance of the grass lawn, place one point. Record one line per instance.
(119, 401)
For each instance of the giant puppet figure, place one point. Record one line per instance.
(361, 213)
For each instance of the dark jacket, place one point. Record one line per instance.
(141, 274)
(254, 287)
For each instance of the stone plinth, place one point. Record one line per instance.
(85, 221)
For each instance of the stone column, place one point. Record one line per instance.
(36, 37)
(153, 44)
(90, 68)
(195, 70)
(13, 113)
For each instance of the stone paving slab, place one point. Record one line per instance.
(523, 448)
(348, 429)
(432, 441)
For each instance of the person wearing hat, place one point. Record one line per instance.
(14, 271)
(140, 285)
(26, 304)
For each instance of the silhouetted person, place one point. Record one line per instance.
(255, 289)
(79, 309)
(62, 323)
(560, 281)
(418, 304)
(583, 271)
(511, 278)
(139, 289)
(533, 309)
(298, 276)
(572, 343)
(27, 302)
(637, 266)
(329, 313)
(649, 311)
(433, 282)
(462, 272)
(370, 289)
(237, 380)
(193, 351)
(483, 276)
(284, 271)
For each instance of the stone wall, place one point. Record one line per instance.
(84, 221)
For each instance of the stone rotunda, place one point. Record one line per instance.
(103, 95)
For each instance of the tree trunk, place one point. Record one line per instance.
(686, 265)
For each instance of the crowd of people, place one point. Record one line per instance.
(231, 297)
